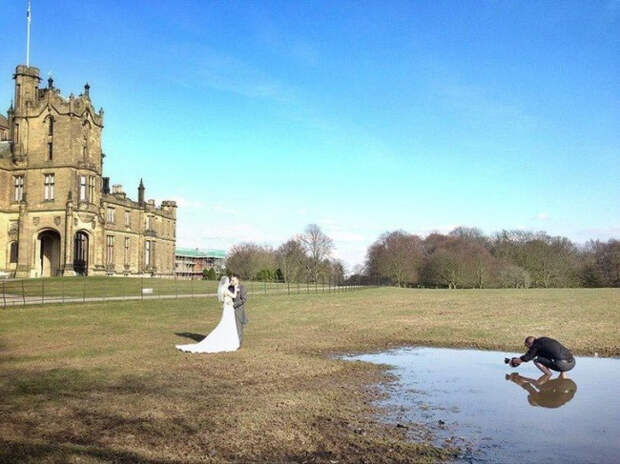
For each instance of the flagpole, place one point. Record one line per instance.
(28, 36)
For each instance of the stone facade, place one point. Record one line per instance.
(57, 213)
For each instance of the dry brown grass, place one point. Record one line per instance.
(103, 383)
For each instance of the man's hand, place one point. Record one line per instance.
(514, 362)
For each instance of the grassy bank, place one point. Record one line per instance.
(58, 288)
(102, 382)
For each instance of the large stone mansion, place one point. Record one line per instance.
(58, 215)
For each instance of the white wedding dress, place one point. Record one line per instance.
(224, 337)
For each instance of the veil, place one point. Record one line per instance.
(222, 287)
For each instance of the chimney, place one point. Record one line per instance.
(141, 193)
(105, 187)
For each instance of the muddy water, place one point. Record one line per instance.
(469, 399)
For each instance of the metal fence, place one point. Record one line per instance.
(14, 292)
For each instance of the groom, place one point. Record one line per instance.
(238, 303)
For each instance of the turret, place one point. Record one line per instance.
(26, 86)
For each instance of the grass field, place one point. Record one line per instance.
(111, 287)
(102, 382)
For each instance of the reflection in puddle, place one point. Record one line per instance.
(546, 392)
(470, 399)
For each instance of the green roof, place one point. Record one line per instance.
(197, 253)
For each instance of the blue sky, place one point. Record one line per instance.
(360, 116)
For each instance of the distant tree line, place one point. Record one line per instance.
(303, 258)
(466, 258)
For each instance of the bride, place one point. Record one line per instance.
(224, 337)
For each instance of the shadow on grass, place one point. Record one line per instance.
(26, 453)
(193, 336)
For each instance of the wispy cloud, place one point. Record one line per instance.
(205, 67)
(542, 216)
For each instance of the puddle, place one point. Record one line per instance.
(467, 398)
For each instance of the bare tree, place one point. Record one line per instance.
(318, 246)
(600, 264)
(248, 259)
(292, 260)
(512, 276)
(396, 256)
(337, 271)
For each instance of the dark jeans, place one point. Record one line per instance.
(559, 365)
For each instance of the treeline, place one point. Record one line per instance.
(303, 258)
(466, 258)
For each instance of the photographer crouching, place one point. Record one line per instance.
(547, 353)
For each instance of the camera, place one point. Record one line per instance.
(509, 362)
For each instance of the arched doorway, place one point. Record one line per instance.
(49, 253)
(80, 253)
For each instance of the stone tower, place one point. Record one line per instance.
(57, 214)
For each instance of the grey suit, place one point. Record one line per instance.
(240, 318)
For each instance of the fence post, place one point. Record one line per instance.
(265, 286)
(23, 293)
(288, 286)
(42, 291)
(4, 293)
(62, 290)
(83, 289)
(142, 288)
(176, 289)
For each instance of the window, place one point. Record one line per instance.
(13, 252)
(49, 187)
(127, 241)
(147, 253)
(127, 218)
(85, 135)
(50, 140)
(147, 225)
(82, 188)
(110, 216)
(109, 255)
(19, 188)
(91, 189)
